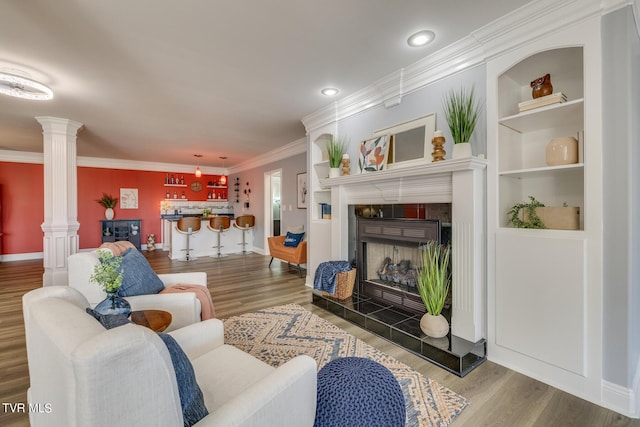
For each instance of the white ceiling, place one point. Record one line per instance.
(161, 80)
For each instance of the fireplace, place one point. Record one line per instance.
(388, 259)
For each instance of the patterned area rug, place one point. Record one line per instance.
(278, 334)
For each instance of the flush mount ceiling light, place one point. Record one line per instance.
(329, 91)
(421, 38)
(198, 171)
(22, 87)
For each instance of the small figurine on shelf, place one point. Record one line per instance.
(346, 164)
(173, 179)
(175, 194)
(541, 86)
(438, 150)
(182, 180)
(184, 196)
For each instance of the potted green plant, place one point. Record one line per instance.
(336, 148)
(108, 274)
(534, 214)
(461, 110)
(433, 282)
(108, 202)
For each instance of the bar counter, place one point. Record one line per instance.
(202, 242)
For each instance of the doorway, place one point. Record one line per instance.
(272, 205)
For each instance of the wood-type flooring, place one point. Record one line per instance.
(244, 283)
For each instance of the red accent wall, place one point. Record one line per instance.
(22, 213)
(22, 198)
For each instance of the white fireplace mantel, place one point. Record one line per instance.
(460, 182)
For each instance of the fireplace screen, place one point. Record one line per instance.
(389, 258)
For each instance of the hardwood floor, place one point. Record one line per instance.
(240, 284)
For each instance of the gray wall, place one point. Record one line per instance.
(417, 104)
(621, 198)
(290, 168)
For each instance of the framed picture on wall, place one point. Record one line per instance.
(128, 198)
(302, 190)
(373, 154)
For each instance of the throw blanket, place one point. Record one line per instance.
(117, 248)
(202, 293)
(325, 277)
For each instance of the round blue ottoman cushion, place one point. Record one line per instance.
(355, 391)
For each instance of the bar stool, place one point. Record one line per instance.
(188, 226)
(219, 224)
(244, 223)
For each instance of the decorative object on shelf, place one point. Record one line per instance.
(301, 190)
(134, 229)
(438, 149)
(373, 154)
(108, 202)
(108, 275)
(247, 193)
(541, 86)
(536, 215)
(196, 186)
(532, 221)
(562, 151)
(554, 98)
(151, 242)
(346, 168)
(336, 147)
(128, 198)
(434, 281)
(198, 172)
(165, 205)
(461, 109)
(325, 211)
(236, 186)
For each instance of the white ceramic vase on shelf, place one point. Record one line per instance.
(108, 213)
(461, 150)
(434, 326)
(334, 172)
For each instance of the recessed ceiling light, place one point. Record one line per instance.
(329, 91)
(421, 38)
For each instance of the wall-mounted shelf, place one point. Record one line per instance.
(217, 186)
(175, 185)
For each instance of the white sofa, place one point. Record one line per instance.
(89, 376)
(184, 306)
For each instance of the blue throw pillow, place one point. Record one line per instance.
(293, 239)
(191, 398)
(138, 277)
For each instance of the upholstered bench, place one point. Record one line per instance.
(355, 391)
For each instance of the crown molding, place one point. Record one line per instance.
(292, 149)
(96, 162)
(21, 157)
(531, 21)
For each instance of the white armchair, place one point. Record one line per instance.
(89, 376)
(184, 307)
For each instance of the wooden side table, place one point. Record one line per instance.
(156, 320)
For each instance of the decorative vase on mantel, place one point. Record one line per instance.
(113, 304)
(434, 326)
(461, 150)
(334, 172)
(108, 213)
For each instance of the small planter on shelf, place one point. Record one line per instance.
(535, 214)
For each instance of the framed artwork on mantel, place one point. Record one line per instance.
(373, 154)
(302, 191)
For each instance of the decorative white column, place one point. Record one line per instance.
(60, 224)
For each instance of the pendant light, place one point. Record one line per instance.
(223, 178)
(198, 171)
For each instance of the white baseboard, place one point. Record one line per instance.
(22, 257)
(621, 399)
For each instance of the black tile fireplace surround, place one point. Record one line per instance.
(389, 305)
